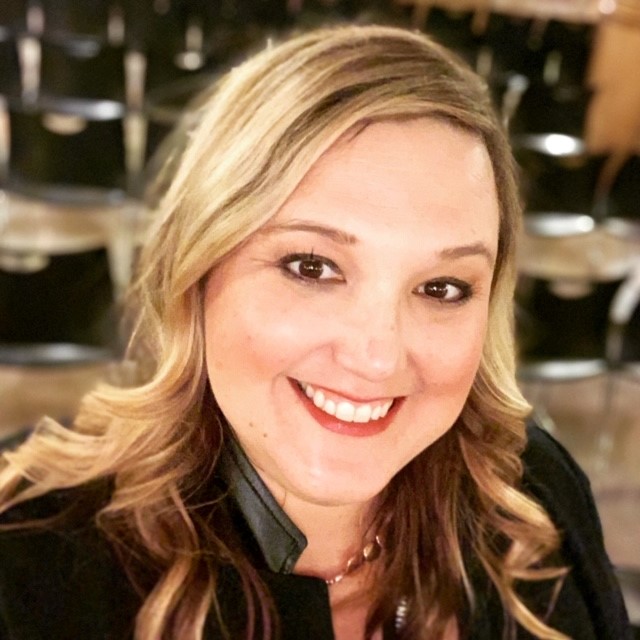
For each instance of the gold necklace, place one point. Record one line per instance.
(370, 552)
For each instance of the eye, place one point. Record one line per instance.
(449, 290)
(307, 266)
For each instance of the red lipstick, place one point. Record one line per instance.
(355, 429)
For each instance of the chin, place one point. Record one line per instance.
(341, 489)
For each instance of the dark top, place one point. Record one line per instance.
(64, 582)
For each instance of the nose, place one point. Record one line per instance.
(372, 343)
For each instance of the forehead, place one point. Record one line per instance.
(418, 176)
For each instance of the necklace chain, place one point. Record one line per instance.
(370, 552)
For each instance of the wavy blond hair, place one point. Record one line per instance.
(255, 135)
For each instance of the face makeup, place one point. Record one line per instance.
(343, 337)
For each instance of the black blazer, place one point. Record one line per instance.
(64, 582)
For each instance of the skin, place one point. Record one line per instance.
(401, 221)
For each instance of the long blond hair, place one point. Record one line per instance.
(256, 134)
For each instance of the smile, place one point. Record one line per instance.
(343, 409)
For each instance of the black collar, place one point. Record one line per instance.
(280, 541)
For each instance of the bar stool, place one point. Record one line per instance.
(624, 308)
(13, 16)
(622, 367)
(66, 302)
(81, 68)
(458, 30)
(171, 38)
(56, 296)
(568, 296)
(70, 232)
(570, 269)
(622, 190)
(556, 109)
(557, 174)
(166, 106)
(68, 150)
(276, 15)
(63, 271)
(567, 48)
(619, 189)
(89, 18)
(566, 287)
(511, 47)
(10, 70)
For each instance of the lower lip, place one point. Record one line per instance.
(355, 429)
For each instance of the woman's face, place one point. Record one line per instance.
(344, 336)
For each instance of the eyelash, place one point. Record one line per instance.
(287, 261)
(466, 290)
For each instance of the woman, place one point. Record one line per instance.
(329, 441)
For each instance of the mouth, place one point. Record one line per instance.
(344, 415)
(344, 409)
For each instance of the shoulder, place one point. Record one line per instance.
(554, 478)
(48, 568)
(543, 451)
(547, 463)
(56, 531)
(65, 509)
(556, 481)
(74, 504)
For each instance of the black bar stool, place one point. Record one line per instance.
(13, 16)
(68, 150)
(69, 18)
(82, 69)
(10, 69)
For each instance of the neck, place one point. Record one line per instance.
(334, 533)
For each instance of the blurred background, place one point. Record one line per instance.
(92, 90)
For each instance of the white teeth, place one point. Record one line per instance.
(329, 407)
(363, 413)
(318, 399)
(385, 408)
(344, 410)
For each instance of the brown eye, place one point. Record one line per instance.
(445, 290)
(311, 268)
(437, 289)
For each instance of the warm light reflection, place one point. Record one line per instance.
(558, 144)
(607, 7)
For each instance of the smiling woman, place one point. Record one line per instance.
(328, 441)
(332, 323)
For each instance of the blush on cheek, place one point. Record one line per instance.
(456, 363)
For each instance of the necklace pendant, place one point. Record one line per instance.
(372, 550)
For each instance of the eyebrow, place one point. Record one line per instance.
(342, 237)
(474, 249)
(332, 233)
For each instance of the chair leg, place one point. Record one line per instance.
(606, 435)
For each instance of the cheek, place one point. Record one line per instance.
(258, 340)
(455, 355)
